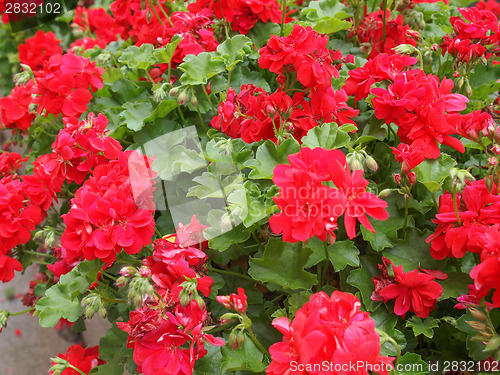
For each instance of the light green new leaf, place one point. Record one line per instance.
(269, 155)
(283, 264)
(328, 16)
(432, 173)
(61, 300)
(135, 114)
(199, 69)
(233, 50)
(326, 136)
(138, 57)
(164, 54)
(424, 327)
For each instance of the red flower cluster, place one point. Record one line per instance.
(254, 114)
(328, 330)
(38, 49)
(83, 359)
(105, 217)
(10, 162)
(475, 123)
(304, 53)
(242, 14)
(470, 39)
(14, 108)
(95, 21)
(478, 209)
(167, 335)
(424, 110)
(81, 146)
(486, 275)
(63, 85)
(19, 214)
(413, 291)
(381, 67)
(371, 33)
(309, 208)
(491, 5)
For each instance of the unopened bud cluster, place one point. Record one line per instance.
(139, 284)
(92, 304)
(360, 160)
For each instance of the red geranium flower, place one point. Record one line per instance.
(414, 291)
(83, 359)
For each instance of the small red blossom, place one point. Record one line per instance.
(83, 359)
(235, 302)
(413, 291)
(14, 108)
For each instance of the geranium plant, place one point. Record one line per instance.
(257, 186)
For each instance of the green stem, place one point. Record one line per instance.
(421, 59)
(455, 205)
(327, 262)
(76, 369)
(182, 116)
(38, 254)
(283, 12)
(113, 300)
(166, 15)
(149, 76)
(384, 21)
(228, 80)
(259, 345)
(208, 97)
(108, 275)
(406, 213)
(22, 312)
(386, 337)
(158, 232)
(154, 11)
(203, 124)
(231, 273)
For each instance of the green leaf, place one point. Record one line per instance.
(386, 321)
(413, 252)
(269, 155)
(424, 327)
(283, 264)
(343, 254)
(455, 285)
(340, 253)
(361, 278)
(138, 57)
(242, 75)
(164, 54)
(328, 136)
(386, 231)
(432, 173)
(62, 299)
(248, 357)
(233, 50)
(161, 110)
(222, 241)
(135, 114)
(113, 349)
(327, 16)
(210, 363)
(413, 364)
(199, 69)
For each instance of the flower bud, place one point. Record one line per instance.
(4, 315)
(128, 271)
(174, 91)
(412, 177)
(92, 304)
(385, 193)
(492, 161)
(405, 49)
(371, 163)
(496, 149)
(398, 179)
(479, 315)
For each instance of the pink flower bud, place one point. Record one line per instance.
(398, 179)
(412, 177)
